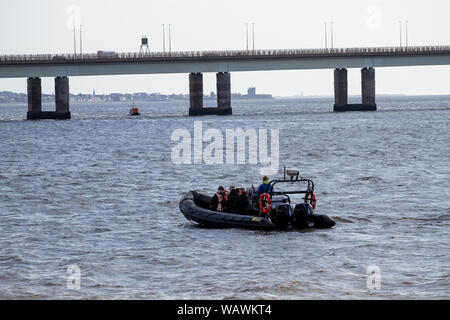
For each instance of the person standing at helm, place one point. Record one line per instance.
(265, 187)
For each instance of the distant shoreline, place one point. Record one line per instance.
(21, 98)
(13, 97)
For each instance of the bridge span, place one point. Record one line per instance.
(195, 63)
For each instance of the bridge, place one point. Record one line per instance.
(195, 63)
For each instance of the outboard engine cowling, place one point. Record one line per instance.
(281, 216)
(302, 215)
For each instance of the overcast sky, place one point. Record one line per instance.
(42, 26)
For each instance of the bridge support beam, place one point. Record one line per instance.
(368, 87)
(195, 94)
(340, 88)
(341, 91)
(34, 91)
(62, 97)
(61, 100)
(223, 95)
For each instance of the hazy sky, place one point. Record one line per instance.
(41, 26)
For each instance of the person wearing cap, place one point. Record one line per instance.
(218, 200)
(265, 187)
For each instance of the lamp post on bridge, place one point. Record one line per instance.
(406, 25)
(406, 33)
(170, 40)
(331, 34)
(253, 34)
(81, 43)
(74, 39)
(246, 34)
(164, 38)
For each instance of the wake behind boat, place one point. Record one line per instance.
(266, 211)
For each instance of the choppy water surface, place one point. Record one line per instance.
(100, 191)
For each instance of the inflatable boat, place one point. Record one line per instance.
(268, 211)
(194, 206)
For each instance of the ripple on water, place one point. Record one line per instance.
(341, 220)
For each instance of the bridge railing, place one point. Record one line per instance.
(4, 59)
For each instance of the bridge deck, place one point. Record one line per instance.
(112, 63)
(199, 56)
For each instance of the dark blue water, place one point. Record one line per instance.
(101, 192)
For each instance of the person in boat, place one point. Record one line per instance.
(253, 197)
(264, 187)
(218, 201)
(232, 194)
(240, 203)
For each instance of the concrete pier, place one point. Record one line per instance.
(341, 91)
(195, 94)
(223, 95)
(223, 90)
(34, 91)
(368, 87)
(61, 100)
(62, 97)
(340, 88)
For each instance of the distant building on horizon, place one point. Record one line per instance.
(251, 94)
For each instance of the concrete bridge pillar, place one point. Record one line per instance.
(223, 95)
(62, 97)
(195, 94)
(61, 100)
(34, 97)
(224, 91)
(368, 87)
(341, 91)
(340, 88)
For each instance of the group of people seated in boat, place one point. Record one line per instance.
(237, 200)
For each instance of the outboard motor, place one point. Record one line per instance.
(302, 215)
(281, 216)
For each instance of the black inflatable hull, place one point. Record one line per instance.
(214, 219)
(190, 208)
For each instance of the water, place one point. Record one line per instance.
(100, 192)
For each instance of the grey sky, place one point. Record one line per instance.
(41, 27)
